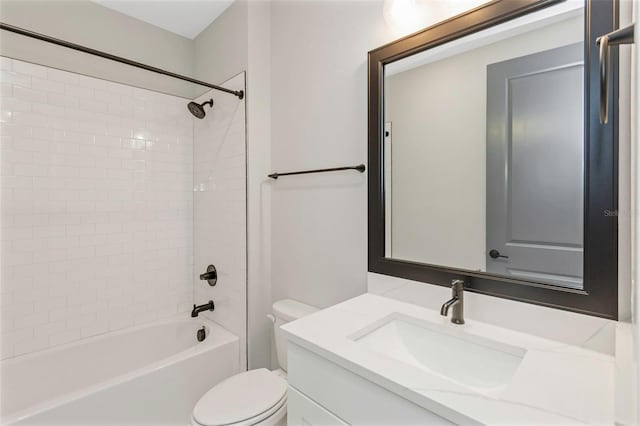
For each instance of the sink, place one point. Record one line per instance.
(447, 351)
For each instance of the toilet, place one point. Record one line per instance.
(254, 397)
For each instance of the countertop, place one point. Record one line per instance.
(555, 383)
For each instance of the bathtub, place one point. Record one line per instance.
(147, 375)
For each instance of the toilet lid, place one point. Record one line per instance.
(239, 398)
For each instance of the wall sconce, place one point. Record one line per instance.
(407, 16)
(403, 16)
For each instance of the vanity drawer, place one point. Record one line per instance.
(352, 398)
(303, 411)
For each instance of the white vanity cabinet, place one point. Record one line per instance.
(377, 361)
(302, 410)
(321, 393)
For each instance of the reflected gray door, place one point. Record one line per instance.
(535, 166)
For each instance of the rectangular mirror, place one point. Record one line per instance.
(487, 161)
(484, 159)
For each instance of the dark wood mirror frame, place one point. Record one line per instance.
(600, 294)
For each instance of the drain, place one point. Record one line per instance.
(201, 335)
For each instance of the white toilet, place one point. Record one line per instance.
(254, 397)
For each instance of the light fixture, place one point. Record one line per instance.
(407, 16)
(401, 15)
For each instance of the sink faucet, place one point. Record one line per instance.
(456, 301)
(206, 307)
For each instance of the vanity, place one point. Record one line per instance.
(374, 360)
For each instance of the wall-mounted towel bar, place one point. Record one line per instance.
(360, 167)
(620, 36)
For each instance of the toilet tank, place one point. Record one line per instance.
(285, 311)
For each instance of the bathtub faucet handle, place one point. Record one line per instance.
(211, 276)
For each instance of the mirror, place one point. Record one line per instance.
(487, 159)
(483, 149)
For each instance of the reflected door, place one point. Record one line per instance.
(535, 167)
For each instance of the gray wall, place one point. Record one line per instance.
(92, 25)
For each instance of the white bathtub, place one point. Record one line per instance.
(148, 375)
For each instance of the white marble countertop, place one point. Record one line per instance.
(555, 383)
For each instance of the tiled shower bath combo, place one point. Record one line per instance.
(97, 236)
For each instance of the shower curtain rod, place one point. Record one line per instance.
(80, 48)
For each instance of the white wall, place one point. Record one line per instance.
(220, 208)
(635, 275)
(260, 329)
(319, 119)
(264, 52)
(438, 112)
(630, 391)
(627, 337)
(92, 25)
(96, 206)
(625, 165)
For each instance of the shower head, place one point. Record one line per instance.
(198, 109)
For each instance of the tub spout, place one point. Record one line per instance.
(206, 307)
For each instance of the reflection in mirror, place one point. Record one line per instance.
(483, 150)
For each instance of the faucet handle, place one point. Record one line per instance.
(211, 276)
(459, 284)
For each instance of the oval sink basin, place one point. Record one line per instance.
(465, 358)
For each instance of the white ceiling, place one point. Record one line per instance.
(184, 17)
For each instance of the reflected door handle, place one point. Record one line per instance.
(494, 254)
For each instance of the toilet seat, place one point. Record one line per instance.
(244, 399)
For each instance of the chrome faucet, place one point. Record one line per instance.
(456, 301)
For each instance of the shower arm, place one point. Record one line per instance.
(105, 55)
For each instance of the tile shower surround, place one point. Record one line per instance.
(96, 214)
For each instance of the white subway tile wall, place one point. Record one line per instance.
(97, 206)
(220, 207)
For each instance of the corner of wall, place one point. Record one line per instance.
(220, 50)
(258, 187)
